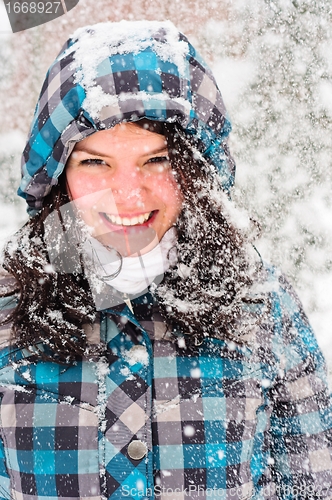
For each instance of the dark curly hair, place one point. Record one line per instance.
(202, 295)
(205, 292)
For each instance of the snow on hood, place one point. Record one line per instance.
(114, 72)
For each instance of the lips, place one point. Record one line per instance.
(126, 221)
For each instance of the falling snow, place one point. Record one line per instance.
(272, 63)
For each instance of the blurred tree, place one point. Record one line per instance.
(11, 142)
(8, 150)
(282, 124)
(292, 126)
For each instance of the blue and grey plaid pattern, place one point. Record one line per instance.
(144, 83)
(218, 420)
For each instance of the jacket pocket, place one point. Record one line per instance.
(50, 444)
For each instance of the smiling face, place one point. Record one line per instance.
(123, 186)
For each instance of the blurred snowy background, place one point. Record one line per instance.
(273, 63)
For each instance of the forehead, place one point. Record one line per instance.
(123, 137)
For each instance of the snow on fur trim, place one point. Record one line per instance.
(114, 72)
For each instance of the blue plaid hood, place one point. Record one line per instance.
(114, 72)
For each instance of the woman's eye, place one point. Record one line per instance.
(158, 163)
(93, 161)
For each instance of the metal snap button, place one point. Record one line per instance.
(137, 449)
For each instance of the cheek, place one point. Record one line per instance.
(167, 190)
(172, 197)
(90, 196)
(82, 184)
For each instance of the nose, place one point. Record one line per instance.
(128, 183)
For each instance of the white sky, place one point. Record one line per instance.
(4, 21)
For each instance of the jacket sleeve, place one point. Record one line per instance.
(8, 301)
(301, 419)
(4, 477)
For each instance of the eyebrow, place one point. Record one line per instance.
(97, 153)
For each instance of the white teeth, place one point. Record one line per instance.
(126, 221)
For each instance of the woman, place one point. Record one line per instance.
(146, 351)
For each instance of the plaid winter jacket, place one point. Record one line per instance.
(163, 418)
